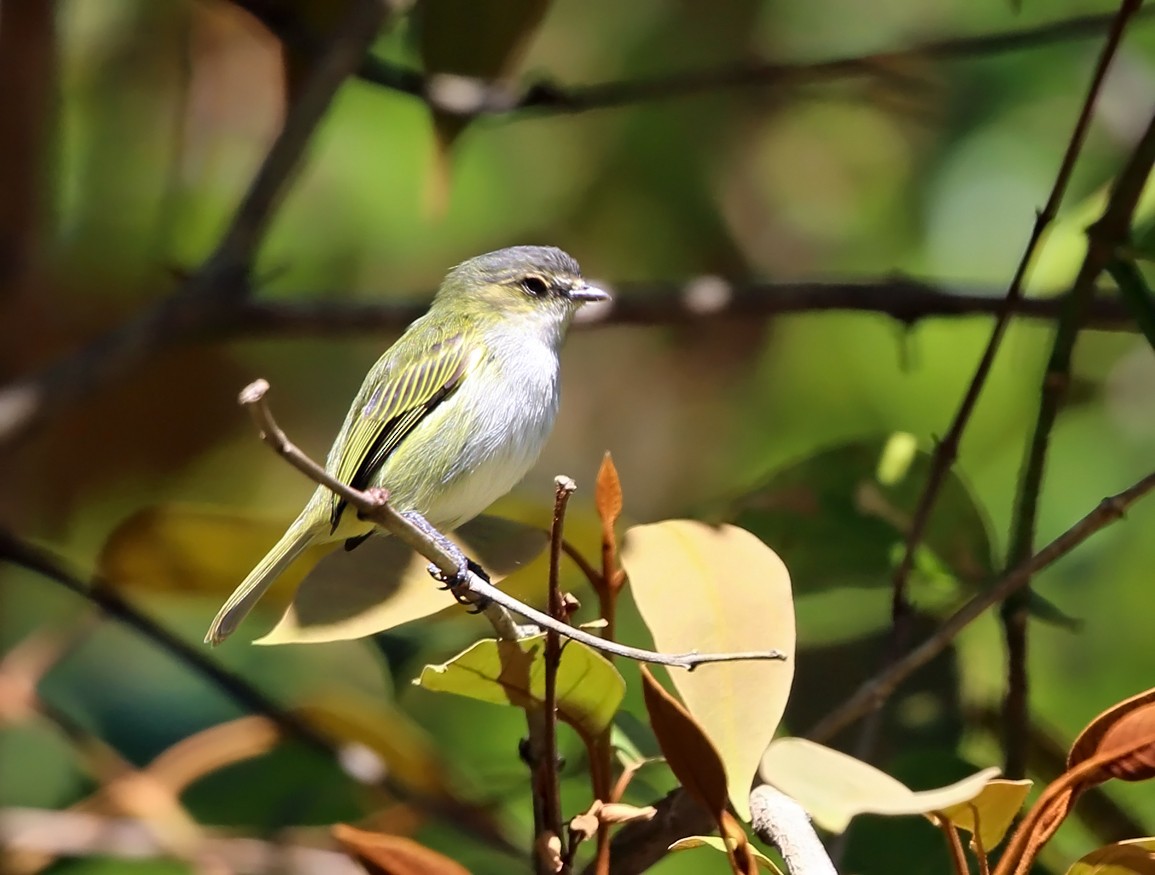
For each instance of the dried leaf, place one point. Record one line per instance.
(764, 862)
(589, 688)
(1133, 736)
(719, 589)
(833, 787)
(742, 858)
(1090, 740)
(549, 850)
(1131, 857)
(382, 854)
(995, 809)
(688, 751)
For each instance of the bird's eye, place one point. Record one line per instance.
(535, 285)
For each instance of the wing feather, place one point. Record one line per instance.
(405, 392)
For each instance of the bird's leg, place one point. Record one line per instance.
(464, 563)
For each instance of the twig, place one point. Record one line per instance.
(1105, 236)
(689, 301)
(875, 691)
(954, 844)
(374, 507)
(223, 280)
(946, 451)
(780, 821)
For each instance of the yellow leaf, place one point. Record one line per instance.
(717, 844)
(995, 808)
(1131, 857)
(709, 589)
(833, 787)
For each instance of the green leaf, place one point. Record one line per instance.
(712, 589)
(589, 688)
(717, 844)
(833, 787)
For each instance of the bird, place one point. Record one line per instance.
(452, 416)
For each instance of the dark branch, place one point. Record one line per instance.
(906, 300)
(223, 279)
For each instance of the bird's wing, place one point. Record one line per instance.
(401, 393)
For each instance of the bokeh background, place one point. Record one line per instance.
(147, 120)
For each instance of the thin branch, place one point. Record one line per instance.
(375, 507)
(871, 694)
(25, 831)
(681, 302)
(946, 451)
(469, 96)
(223, 280)
(546, 785)
(780, 821)
(1106, 236)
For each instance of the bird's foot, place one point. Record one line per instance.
(455, 582)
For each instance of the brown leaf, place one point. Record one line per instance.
(1136, 760)
(1089, 742)
(382, 854)
(742, 858)
(689, 753)
(608, 497)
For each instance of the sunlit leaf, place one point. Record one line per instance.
(716, 842)
(710, 589)
(1131, 857)
(383, 583)
(995, 809)
(833, 787)
(589, 688)
(688, 750)
(383, 854)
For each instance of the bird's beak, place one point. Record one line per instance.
(586, 293)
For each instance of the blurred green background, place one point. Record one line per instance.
(155, 115)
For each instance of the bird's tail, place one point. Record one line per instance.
(299, 537)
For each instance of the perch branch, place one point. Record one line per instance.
(376, 508)
(222, 281)
(1105, 237)
(875, 691)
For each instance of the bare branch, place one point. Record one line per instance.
(375, 508)
(471, 97)
(223, 279)
(875, 691)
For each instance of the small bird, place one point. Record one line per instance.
(452, 416)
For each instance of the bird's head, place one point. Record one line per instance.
(527, 286)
